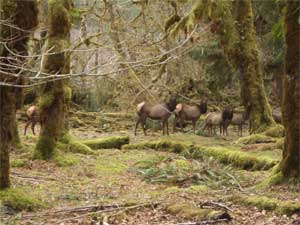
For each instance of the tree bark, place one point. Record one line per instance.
(252, 87)
(290, 164)
(54, 103)
(21, 17)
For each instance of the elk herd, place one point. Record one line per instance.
(183, 113)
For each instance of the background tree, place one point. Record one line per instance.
(56, 95)
(21, 19)
(290, 164)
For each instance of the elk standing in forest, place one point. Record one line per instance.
(160, 112)
(184, 112)
(32, 118)
(221, 119)
(239, 119)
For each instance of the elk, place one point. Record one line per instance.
(239, 119)
(32, 118)
(277, 116)
(160, 112)
(184, 112)
(221, 119)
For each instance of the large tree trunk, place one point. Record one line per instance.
(290, 164)
(252, 86)
(56, 95)
(21, 17)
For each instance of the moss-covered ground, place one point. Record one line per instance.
(200, 181)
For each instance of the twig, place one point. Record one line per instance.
(236, 181)
(33, 177)
(205, 222)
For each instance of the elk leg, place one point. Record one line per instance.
(194, 126)
(143, 123)
(136, 126)
(167, 126)
(163, 126)
(32, 127)
(174, 125)
(26, 126)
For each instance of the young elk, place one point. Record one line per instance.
(32, 118)
(239, 119)
(160, 112)
(184, 112)
(221, 119)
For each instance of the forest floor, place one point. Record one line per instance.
(148, 186)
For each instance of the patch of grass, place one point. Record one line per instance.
(19, 201)
(107, 143)
(255, 138)
(17, 163)
(65, 159)
(225, 155)
(271, 204)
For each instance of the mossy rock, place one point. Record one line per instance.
(271, 204)
(107, 143)
(190, 211)
(19, 200)
(255, 138)
(275, 131)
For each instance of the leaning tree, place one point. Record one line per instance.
(18, 19)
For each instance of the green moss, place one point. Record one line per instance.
(76, 122)
(19, 201)
(18, 163)
(107, 143)
(189, 211)
(65, 159)
(223, 154)
(275, 131)
(46, 100)
(44, 148)
(255, 138)
(271, 204)
(78, 147)
(171, 190)
(195, 189)
(67, 93)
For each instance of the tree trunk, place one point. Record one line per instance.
(290, 164)
(54, 103)
(23, 16)
(252, 86)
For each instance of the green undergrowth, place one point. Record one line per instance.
(275, 131)
(107, 143)
(225, 155)
(271, 204)
(18, 200)
(182, 172)
(65, 159)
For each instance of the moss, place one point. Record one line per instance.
(189, 211)
(76, 122)
(67, 93)
(65, 159)
(107, 143)
(171, 190)
(19, 201)
(225, 155)
(46, 100)
(255, 138)
(271, 204)
(18, 163)
(195, 189)
(78, 147)
(45, 148)
(275, 131)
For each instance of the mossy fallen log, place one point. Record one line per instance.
(255, 138)
(107, 143)
(225, 155)
(270, 204)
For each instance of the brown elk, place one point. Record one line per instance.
(160, 112)
(239, 119)
(32, 118)
(221, 119)
(184, 112)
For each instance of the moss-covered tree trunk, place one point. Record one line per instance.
(290, 164)
(21, 18)
(252, 86)
(56, 95)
